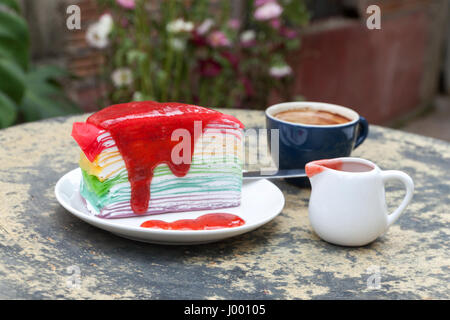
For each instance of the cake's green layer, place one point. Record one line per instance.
(201, 178)
(101, 188)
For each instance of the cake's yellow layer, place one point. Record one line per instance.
(93, 168)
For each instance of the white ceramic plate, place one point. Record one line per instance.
(261, 202)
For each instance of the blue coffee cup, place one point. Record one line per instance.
(303, 143)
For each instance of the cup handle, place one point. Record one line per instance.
(409, 185)
(363, 131)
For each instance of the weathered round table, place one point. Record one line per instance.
(45, 252)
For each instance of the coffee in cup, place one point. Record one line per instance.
(311, 116)
(300, 142)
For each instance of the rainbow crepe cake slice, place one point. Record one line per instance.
(144, 158)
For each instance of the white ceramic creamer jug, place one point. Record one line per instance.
(347, 205)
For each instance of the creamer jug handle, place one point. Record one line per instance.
(409, 185)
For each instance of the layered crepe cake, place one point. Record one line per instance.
(143, 158)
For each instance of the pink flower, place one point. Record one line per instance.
(209, 68)
(268, 11)
(288, 33)
(234, 24)
(218, 39)
(127, 4)
(232, 58)
(124, 22)
(275, 23)
(198, 39)
(249, 90)
(205, 26)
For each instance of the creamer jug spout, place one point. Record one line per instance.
(315, 168)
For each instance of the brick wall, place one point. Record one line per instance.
(52, 42)
(386, 74)
(82, 60)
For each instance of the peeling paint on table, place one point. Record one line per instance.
(42, 245)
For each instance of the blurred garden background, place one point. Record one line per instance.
(244, 54)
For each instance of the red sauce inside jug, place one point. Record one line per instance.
(316, 167)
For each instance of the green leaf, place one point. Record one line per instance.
(14, 37)
(43, 80)
(12, 80)
(36, 106)
(136, 56)
(11, 4)
(14, 50)
(8, 111)
(44, 97)
(13, 26)
(43, 87)
(296, 12)
(33, 108)
(293, 44)
(48, 72)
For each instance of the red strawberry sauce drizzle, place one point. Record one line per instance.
(142, 132)
(208, 221)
